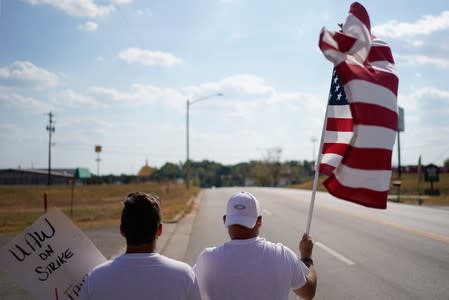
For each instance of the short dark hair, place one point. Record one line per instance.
(141, 216)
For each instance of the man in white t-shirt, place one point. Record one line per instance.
(250, 267)
(141, 273)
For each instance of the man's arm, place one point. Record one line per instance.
(307, 291)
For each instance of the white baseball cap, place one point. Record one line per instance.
(242, 209)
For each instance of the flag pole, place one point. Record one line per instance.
(317, 173)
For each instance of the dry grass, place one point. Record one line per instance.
(93, 205)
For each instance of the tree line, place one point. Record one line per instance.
(267, 172)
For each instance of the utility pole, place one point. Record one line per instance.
(50, 128)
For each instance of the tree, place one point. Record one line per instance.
(261, 173)
(169, 171)
(446, 163)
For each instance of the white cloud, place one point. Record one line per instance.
(249, 84)
(241, 92)
(88, 26)
(424, 26)
(426, 124)
(78, 8)
(425, 102)
(424, 60)
(75, 99)
(81, 128)
(14, 101)
(122, 1)
(248, 97)
(25, 72)
(139, 94)
(148, 57)
(431, 92)
(145, 11)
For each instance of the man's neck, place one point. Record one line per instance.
(142, 248)
(237, 236)
(238, 232)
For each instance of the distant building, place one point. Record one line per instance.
(145, 172)
(40, 176)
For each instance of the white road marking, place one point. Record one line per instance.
(335, 254)
(266, 212)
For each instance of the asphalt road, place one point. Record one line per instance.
(359, 253)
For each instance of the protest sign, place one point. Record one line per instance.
(51, 258)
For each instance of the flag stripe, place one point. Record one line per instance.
(348, 72)
(338, 137)
(368, 114)
(339, 124)
(385, 66)
(335, 148)
(367, 158)
(344, 42)
(339, 111)
(380, 53)
(367, 92)
(358, 178)
(330, 47)
(360, 13)
(328, 168)
(361, 196)
(373, 137)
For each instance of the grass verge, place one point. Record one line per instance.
(93, 205)
(411, 191)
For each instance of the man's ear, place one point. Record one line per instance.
(224, 219)
(121, 231)
(259, 221)
(159, 230)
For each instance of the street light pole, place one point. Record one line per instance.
(187, 145)
(188, 103)
(313, 140)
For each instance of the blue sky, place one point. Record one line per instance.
(117, 73)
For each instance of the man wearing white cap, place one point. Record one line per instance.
(250, 267)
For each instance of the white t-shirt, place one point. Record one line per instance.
(141, 276)
(249, 269)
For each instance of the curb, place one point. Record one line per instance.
(178, 240)
(182, 213)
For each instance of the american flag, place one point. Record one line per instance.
(360, 134)
(339, 127)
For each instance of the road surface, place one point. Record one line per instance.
(359, 253)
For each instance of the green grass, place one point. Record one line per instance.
(93, 205)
